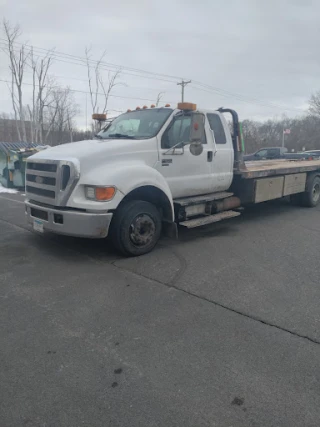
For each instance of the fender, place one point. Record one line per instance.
(126, 177)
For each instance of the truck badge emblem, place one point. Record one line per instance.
(39, 180)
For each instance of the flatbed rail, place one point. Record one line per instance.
(259, 169)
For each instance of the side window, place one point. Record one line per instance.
(178, 131)
(217, 128)
(274, 152)
(262, 153)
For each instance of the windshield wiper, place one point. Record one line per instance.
(121, 135)
(98, 136)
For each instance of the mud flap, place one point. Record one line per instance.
(170, 229)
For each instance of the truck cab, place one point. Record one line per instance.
(165, 147)
(145, 155)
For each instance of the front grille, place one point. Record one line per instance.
(50, 181)
(41, 179)
(45, 167)
(40, 192)
(65, 176)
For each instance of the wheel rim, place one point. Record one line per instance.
(142, 230)
(316, 192)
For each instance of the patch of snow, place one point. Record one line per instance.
(7, 190)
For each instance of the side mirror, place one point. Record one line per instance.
(197, 127)
(196, 148)
(196, 133)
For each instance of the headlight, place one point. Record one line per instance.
(100, 194)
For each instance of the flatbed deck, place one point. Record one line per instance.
(262, 168)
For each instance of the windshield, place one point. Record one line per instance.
(140, 124)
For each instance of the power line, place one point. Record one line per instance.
(238, 97)
(88, 93)
(246, 99)
(62, 57)
(86, 81)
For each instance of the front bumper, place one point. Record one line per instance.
(69, 222)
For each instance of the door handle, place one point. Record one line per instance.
(209, 156)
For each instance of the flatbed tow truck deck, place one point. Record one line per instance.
(263, 168)
(260, 181)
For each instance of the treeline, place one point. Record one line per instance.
(304, 133)
(57, 135)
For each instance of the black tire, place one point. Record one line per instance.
(136, 228)
(311, 197)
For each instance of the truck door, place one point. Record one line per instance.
(223, 154)
(186, 174)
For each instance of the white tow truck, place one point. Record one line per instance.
(152, 169)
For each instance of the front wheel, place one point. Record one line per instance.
(136, 227)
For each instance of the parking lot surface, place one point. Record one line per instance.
(220, 328)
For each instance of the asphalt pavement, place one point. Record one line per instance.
(219, 328)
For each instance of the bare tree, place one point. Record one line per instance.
(21, 58)
(159, 97)
(18, 57)
(93, 81)
(7, 128)
(61, 114)
(97, 85)
(42, 88)
(314, 104)
(112, 77)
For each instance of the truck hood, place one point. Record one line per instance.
(90, 153)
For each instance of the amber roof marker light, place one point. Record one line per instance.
(187, 106)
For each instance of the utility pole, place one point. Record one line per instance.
(183, 84)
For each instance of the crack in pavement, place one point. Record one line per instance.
(172, 284)
(182, 269)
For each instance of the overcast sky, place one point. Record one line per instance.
(263, 53)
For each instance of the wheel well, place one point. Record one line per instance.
(154, 195)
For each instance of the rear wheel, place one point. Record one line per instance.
(311, 197)
(136, 228)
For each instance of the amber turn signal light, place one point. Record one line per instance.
(105, 193)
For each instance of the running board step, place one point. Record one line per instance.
(189, 201)
(198, 222)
